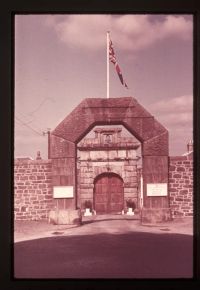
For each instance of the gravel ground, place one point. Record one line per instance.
(117, 224)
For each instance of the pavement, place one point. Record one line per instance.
(99, 224)
(104, 246)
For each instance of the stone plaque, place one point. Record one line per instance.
(156, 189)
(63, 192)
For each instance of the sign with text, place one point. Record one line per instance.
(156, 189)
(63, 192)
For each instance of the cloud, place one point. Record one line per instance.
(177, 116)
(175, 113)
(129, 32)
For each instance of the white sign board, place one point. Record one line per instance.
(156, 189)
(63, 191)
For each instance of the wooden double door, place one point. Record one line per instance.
(108, 194)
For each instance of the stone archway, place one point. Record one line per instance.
(114, 111)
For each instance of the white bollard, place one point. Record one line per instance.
(130, 211)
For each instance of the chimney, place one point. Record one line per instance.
(190, 146)
(38, 156)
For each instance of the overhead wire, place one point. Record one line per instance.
(38, 107)
(29, 121)
(28, 126)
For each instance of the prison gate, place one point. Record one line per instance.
(33, 193)
(114, 111)
(167, 190)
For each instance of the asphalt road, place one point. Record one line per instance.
(105, 255)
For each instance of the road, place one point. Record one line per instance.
(104, 254)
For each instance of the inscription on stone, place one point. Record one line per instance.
(63, 192)
(156, 189)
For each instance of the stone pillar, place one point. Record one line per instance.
(130, 181)
(155, 171)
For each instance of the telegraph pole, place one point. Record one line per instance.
(47, 132)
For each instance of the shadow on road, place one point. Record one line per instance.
(130, 255)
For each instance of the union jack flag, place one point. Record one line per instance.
(112, 58)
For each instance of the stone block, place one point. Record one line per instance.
(88, 195)
(65, 217)
(130, 189)
(153, 216)
(181, 169)
(129, 168)
(86, 180)
(132, 192)
(23, 177)
(132, 179)
(86, 186)
(130, 184)
(88, 174)
(173, 190)
(130, 162)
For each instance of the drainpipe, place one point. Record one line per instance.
(141, 190)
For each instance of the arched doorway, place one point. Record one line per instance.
(108, 193)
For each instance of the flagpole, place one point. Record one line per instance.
(108, 80)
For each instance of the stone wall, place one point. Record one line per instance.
(33, 197)
(181, 186)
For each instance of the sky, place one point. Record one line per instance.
(61, 60)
